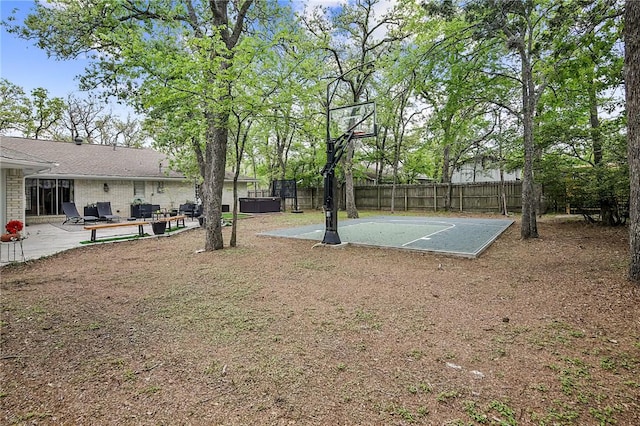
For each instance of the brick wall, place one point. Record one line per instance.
(15, 195)
(120, 194)
(169, 195)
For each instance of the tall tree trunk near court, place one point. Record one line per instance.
(350, 195)
(240, 143)
(503, 186)
(217, 136)
(605, 198)
(446, 176)
(381, 142)
(632, 85)
(234, 232)
(393, 196)
(529, 226)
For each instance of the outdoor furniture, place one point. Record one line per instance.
(260, 205)
(140, 224)
(104, 212)
(144, 211)
(90, 210)
(71, 211)
(190, 209)
(94, 228)
(11, 248)
(179, 220)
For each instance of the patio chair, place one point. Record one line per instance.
(73, 216)
(104, 212)
(188, 209)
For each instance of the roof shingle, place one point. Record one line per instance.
(88, 160)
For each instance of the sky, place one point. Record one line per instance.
(23, 64)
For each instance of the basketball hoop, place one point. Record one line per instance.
(359, 120)
(344, 124)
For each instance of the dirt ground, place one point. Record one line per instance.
(275, 332)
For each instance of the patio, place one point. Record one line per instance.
(47, 239)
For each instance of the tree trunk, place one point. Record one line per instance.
(234, 236)
(605, 197)
(529, 227)
(446, 176)
(632, 84)
(216, 155)
(503, 187)
(393, 187)
(352, 210)
(380, 156)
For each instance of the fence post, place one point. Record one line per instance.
(406, 199)
(460, 189)
(435, 197)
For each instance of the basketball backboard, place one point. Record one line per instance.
(361, 118)
(284, 188)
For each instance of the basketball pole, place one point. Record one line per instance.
(330, 205)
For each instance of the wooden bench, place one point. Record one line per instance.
(179, 219)
(140, 224)
(94, 228)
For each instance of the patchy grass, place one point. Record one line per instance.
(540, 332)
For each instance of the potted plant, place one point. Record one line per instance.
(13, 228)
(158, 226)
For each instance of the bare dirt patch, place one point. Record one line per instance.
(275, 332)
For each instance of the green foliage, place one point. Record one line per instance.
(588, 187)
(14, 107)
(44, 114)
(446, 77)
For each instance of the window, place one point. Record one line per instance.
(138, 189)
(31, 196)
(65, 193)
(45, 196)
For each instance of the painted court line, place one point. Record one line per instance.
(467, 237)
(428, 236)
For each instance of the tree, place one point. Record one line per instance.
(127, 132)
(579, 117)
(451, 80)
(52, 118)
(14, 107)
(632, 84)
(45, 114)
(528, 29)
(240, 135)
(351, 37)
(397, 115)
(148, 52)
(82, 117)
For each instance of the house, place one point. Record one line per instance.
(37, 176)
(482, 169)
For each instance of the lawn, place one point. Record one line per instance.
(277, 332)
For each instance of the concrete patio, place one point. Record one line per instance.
(47, 239)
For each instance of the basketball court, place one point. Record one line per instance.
(467, 237)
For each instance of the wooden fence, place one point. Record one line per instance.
(476, 197)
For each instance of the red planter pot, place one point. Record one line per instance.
(5, 238)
